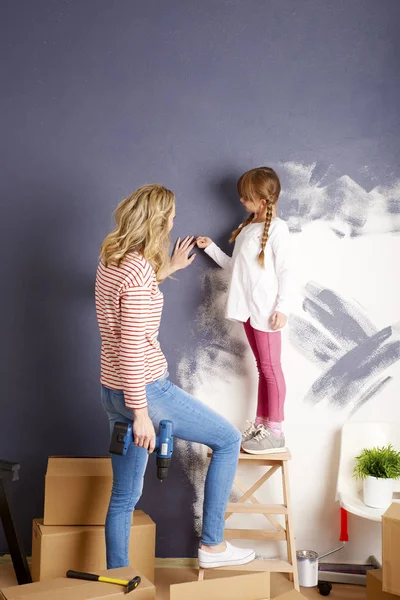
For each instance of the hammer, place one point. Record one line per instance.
(130, 585)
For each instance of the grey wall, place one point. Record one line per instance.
(101, 96)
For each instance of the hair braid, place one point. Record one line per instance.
(268, 219)
(239, 229)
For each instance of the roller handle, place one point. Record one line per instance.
(85, 576)
(344, 534)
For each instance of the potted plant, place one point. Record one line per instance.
(378, 468)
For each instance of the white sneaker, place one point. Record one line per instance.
(230, 557)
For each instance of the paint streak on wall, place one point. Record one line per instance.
(219, 355)
(344, 342)
(218, 351)
(351, 209)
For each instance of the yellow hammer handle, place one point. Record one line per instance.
(116, 581)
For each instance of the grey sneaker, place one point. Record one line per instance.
(250, 432)
(264, 442)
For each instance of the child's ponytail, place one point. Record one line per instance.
(268, 219)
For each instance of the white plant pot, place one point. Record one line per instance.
(378, 493)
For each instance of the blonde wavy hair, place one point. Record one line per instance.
(142, 226)
(261, 183)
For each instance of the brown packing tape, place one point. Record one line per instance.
(82, 548)
(74, 589)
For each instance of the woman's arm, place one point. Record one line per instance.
(135, 305)
(214, 252)
(135, 308)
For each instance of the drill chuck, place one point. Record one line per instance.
(162, 468)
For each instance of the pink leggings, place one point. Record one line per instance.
(266, 348)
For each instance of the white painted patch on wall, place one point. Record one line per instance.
(347, 206)
(221, 370)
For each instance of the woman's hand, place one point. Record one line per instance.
(278, 320)
(143, 430)
(180, 258)
(203, 242)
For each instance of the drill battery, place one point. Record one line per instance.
(121, 437)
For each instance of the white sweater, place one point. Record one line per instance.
(255, 293)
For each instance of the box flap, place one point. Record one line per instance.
(64, 466)
(241, 587)
(75, 589)
(375, 573)
(139, 519)
(7, 575)
(47, 530)
(393, 512)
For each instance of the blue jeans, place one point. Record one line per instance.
(193, 421)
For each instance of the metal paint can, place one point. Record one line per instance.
(307, 565)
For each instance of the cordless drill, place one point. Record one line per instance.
(122, 437)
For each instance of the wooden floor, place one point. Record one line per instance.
(167, 576)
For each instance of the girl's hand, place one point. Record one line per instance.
(180, 258)
(203, 242)
(278, 320)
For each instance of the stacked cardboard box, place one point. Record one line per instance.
(71, 535)
(242, 587)
(374, 587)
(75, 589)
(391, 550)
(384, 584)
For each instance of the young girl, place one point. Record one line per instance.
(259, 297)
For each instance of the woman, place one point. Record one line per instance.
(134, 377)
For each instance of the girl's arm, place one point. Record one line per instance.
(222, 259)
(280, 242)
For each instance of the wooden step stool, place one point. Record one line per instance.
(248, 504)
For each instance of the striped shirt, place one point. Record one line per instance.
(129, 306)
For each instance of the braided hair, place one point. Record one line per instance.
(235, 233)
(257, 184)
(264, 239)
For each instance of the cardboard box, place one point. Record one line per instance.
(83, 548)
(374, 587)
(391, 549)
(74, 589)
(241, 587)
(77, 491)
(7, 576)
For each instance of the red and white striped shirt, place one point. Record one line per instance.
(129, 306)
